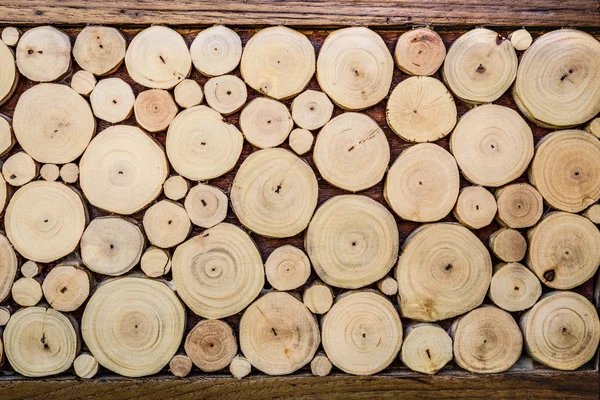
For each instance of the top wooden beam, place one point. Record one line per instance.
(316, 13)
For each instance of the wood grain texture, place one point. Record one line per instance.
(582, 13)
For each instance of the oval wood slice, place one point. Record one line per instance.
(85, 366)
(188, 93)
(154, 110)
(420, 51)
(19, 169)
(301, 141)
(166, 224)
(311, 109)
(211, 345)
(67, 287)
(44, 54)
(206, 205)
(83, 82)
(226, 94)
(112, 100)
(7, 138)
(240, 367)
(318, 297)
(176, 187)
(99, 50)
(426, 348)
(180, 365)
(155, 262)
(521, 39)
(27, 292)
(514, 287)
(287, 268)
(475, 207)
(216, 50)
(519, 205)
(9, 267)
(266, 122)
(11, 35)
(508, 245)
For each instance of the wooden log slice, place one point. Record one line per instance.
(287, 268)
(9, 267)
(85, 366)
(492, 144)
(521, 39)
(274, 193)
(211, 345)
(519, 205)
(420, 109)
(49, 172)
(564, 250)
(351, 152)
(278, 335)
(561, 331)
(5, 314)
(320, 365)
(388, 286)
(67, 287)
(30, 269)
(487, 340)
(362, 333)
(311, 109)
(278, 62)
(475, 208)
(423, 183)
(154, 110)
(352, 241)
(206, 205)
(69, 173)
(420, 51)
(318, 297)
(566, 170)
(266, 122)
(427, 348)
(593, 213)
(99, 49)
(480, 66)
(201, 146)
(558, 82)
(176, 187)
(63, 124)
(45, 220)
(508, 245)
(166, 224)
(218, 273)
(112, 100)
(111, 245)
(216, 50)
(19, 169)
(240, 367)
(5, 193)
(26, 292)
(7, 139)
(180, 365)
(226, 94)
(443, 271)
(122, 170)
(83, 82)
(158, 58)
(11, 35)
(44, 54)
(514, 287)
(155, 262)
(355, 68)
(301, 141)
(188, 93)
(8, 73)
(593, 127)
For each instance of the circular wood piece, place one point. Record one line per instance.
(218, 273)
(226, 94)
(287, 268)
(519, 205)
(475, 208)
(9, 267)
(427, 348)
(83, 82)
(362, 333)
(561, 331)
(49, 172)
(201, 146)
(240, 367)
(166, 224)
(63, 124)
(154, 110)
(320, 365)
(216, 51)
(158, 58)
(155, 262)
(593, 127)
(420, 52)
(211, 345)
(180, 366)
(355, 68)
(351, 152)
(19, 169)
(352, 241)
(564, 250)
(266, 122)
(44, 54)
(8, 73)
(69, 172)
(508, 245)
(4, 316)
(122, 170)
(278, 334)
(423, 183)
(388, 286)
(301, 141)
(40, 341)
(206, 205)
(188, 93)
(480, 66)
(420, 109)
(133, 326)
(487, 340)
(66, 287)
(111, 245)
(311, 109)
(10, 35)
(45, 220)
(566, 170)
(318, 298)
(30, 269)
(278, 62)
(99, 50)
(7, 139)
(26, 292)
(521, 39)
(514, 287)
(112, 100)
(593, 213)
(558, 82)
(85, 366)
(443, 271)
(176, 187)
(274, 193)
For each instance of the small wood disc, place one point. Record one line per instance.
(492, 144)
(7, 139)
(83, 82)
(211, 345)
(278, 62)
(30, 269)
(564, 250)
(201, 146)
(226, 94)
(352, 241)
(561, 331)
(111, 245)
(514, 287)
(266, 122)
(10, 35)
(176, 187)
(133, 326)
(420, 52)
(318, 298)
(426, 348)
(45, 220)
(362, 333)
(206, 205)
(274, 193)
(519, 205)
(26, 292)
(320, 365)
(508, 245)
(355, 68)
(158, 58)
(301, 141)
(388, 286)
(9, 267)
(480, 66)
(19, 169)
(593, 213)
(593, 127)
(180, 365)
(99, 49)
(423, 183)
(166, 224)
(188, 93)
(443, 271)
(240, 367)
(63, 124)
(44, 54)
(122, 170)
(155, 262)
(278, 334)
(66, 287)
(218, 273)
(85, 366)
(566, 169)
(4, 316)
(487, 340)
(351, 152)
(420, 109)
(216, 51)
(8, 73)
(69, 173)
(287, 268)
(521, 39)
(49, 172)
(311, 109)
(475, 208)
(558, 82)
(112, 100)
(154, 110)
(40, 341)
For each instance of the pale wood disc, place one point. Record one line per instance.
(67, 287)
(30, 269)
(180, 365)
(50, 172)
(427, 348)
(69, 173)
(311, 109)
(420, 52)
(211, 345)
(99, 49)
(592, 213)
(216, 50)
(188, 93)
(155, 262)
(226, 94)
(166, 224)
(85, 366)
(11, 35)
(301, 141)
(9, 267)
(521, 39)
(320, 365)
(240, 367)
(7, 139)
(508, 245)
(8, 73)
(206, 205)
(266, 122)
(318, 297)
(4, 193)
(176, 187)
(514, 287)
(19, 169)
(519, 205)
(593, 127)
(388, 286)
(112, 100)
(154, 110)
(44, 54)
(26, 292)
(83, 82)
(287, 268)
(475, 207)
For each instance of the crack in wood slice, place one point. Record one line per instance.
(216, 51)
(211, 345)
(44, 54)
(420, 51)
(155, 262)
(427, 348)
(99, 50)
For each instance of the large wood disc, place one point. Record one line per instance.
(352, 241)
(420, 51)
(265, 122)
(44, 54)
(8, 73)
(519, 205)
(514, 287)
(216, 51)
(211, 345)
(426, 348)
(9, 267)
(99, 49)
